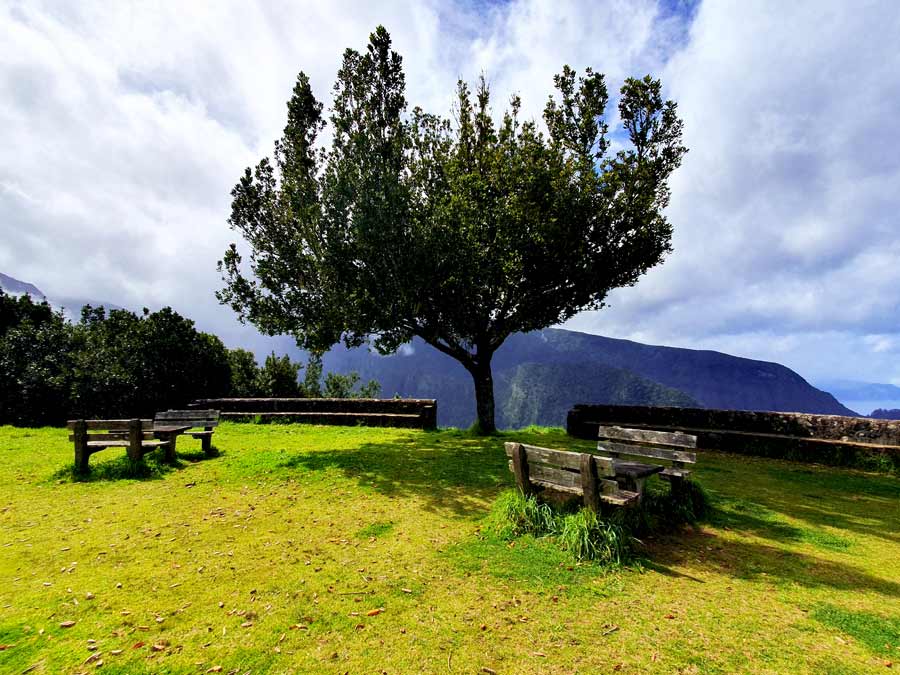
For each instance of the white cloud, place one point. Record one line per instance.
(126, 125)
(785, 210)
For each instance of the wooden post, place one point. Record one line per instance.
(520, 467)
(79, 431)
(589, 482)
(169, 450)
(206, 442)
(135, 436)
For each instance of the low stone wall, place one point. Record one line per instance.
(401, 412)
(825, 439)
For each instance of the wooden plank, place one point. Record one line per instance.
(674, 438)
(561, 458)
(614, 448)
(108, 444)
(520, 466)
(621, 498)
(115, 436)
(549, 474)
(557, 487)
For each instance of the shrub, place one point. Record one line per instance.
(603, 538)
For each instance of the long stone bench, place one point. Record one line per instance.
(408, 413)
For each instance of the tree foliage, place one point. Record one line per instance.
(110, 364)
(459, 232)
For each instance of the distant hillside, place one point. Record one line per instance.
(70, 306)
(864, 396)
(16, 287)
(882, 414)
(539, 375)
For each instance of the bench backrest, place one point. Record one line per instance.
(669, 446)
(196, 418)
(576, 473)
(109, 430)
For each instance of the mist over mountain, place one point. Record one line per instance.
(539, 375)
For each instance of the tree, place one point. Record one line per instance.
(278, 377)
(312, 381)
(460, 233)
(128, 365)
(244, 373)
(344, 386)
(35, 362)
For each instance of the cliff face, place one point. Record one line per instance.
(539, 375)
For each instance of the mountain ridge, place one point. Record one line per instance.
(587, 369)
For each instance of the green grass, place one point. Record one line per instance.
(300, 533)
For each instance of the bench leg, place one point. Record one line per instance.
(170, 448)
(81, 459)
(206, 443)
(635, 485)
(135, 435)
(81, 450)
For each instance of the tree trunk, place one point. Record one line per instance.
(484, 396)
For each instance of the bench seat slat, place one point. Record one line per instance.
(620, 498)
(677, 439)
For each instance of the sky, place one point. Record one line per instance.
(124, 126)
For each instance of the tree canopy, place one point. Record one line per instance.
(458, 231)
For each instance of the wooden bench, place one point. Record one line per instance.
(192, 418)
(578, 473)
(675, 448)
(135, 435)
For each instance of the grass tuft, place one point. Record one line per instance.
(585, 535)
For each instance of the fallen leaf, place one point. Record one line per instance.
(406, 590)
(138, 645)
(215, 669)
(88, 596)
(116, 652)
(4, 647)
(487, 670)
(157, 647)
(160, 619)
(67, 624)
(93, 657)
(375, 612)
(247, 624)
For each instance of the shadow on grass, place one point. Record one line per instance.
(152, 467)
(881, 634)
(760, 561)
(453, 471)
(843, 499)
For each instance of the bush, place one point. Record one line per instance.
(586, 535)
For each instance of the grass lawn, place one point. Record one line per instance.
(332, 549)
